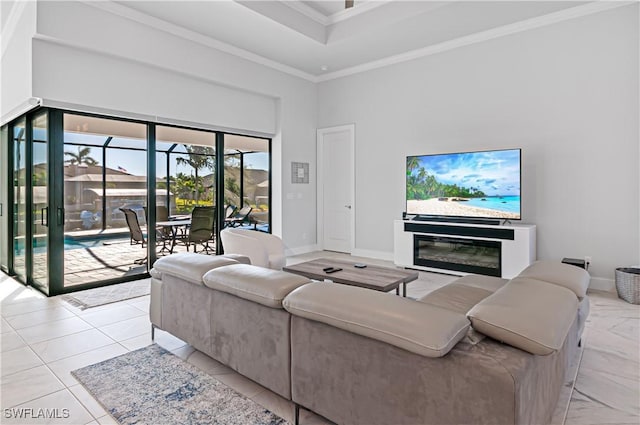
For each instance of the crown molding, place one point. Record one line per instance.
(311, 13)
(307, 11)
(162, 25)
(517, 27)
(362, 8)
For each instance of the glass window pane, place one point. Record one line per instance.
(40, 199)
(103, 178)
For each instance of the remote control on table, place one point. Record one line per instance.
(332, 270)
(359, 266)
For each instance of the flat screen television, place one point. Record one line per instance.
(478, 185)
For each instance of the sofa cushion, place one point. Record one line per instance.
(413, 326)
(571, 277)
(190, 266)
(488, 283)
(456, 297)
(529, 314)
(257, 284)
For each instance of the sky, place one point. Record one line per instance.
(134, 162)
(496, 173)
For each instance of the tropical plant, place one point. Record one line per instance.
(198, 157)
(81, 157)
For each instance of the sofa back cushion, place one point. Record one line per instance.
(416, 327)
(190, 266)
(253, 283)
(529, 314)
(456, 297)
(566, 275)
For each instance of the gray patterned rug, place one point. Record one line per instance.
(108, 294)
(152, 386)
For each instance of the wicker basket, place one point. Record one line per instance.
(628, 284)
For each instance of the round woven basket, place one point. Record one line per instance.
(628, 284)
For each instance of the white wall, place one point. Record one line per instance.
(567, 94)
(89, 56)
(18, 26)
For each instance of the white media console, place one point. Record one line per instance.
(461, 248)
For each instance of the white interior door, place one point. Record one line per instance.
(336, 209)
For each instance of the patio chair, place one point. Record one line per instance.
(137, 237)
(201, 231)
(239, 218)
(229, 211)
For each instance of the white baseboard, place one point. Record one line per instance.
(602, 284)
(378, 255)
(299, 250)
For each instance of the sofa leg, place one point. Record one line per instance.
(153, 332)
(296, 419)
(580, 342)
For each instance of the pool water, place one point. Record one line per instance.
(70, 243)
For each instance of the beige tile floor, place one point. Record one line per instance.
(43, 339)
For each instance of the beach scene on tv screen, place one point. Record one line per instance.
(472, 184)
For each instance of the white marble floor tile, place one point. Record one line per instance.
(4, 326)
(10, 341)
(18, 360)
(62, 368)
(162, 338)
(61, 406)
(34, 318)
(184, 352)
(241, 384)
(207, 364)
(111, 315)
(28, 385)
(56, 329)
(70, 345)
(87, 400)
(107, 420)
(128, 329)
(9, 309)
(141, 303)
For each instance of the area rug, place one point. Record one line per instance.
(108, 294)
(152, 386)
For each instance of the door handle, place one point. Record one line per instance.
(44, 213)
(348, 206)
(60, 216)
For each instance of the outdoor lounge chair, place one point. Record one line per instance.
(239, 218)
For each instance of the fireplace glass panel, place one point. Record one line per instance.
(465, 255)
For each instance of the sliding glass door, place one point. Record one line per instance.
(88, 200)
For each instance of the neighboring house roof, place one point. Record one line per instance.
(110, 178)
(128, 192)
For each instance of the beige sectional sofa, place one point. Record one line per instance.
(479, 350)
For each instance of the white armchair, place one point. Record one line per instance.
(264, 249)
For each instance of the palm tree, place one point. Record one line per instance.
(82, 157)
(198, 157)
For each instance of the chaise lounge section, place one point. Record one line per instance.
(479, 350)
